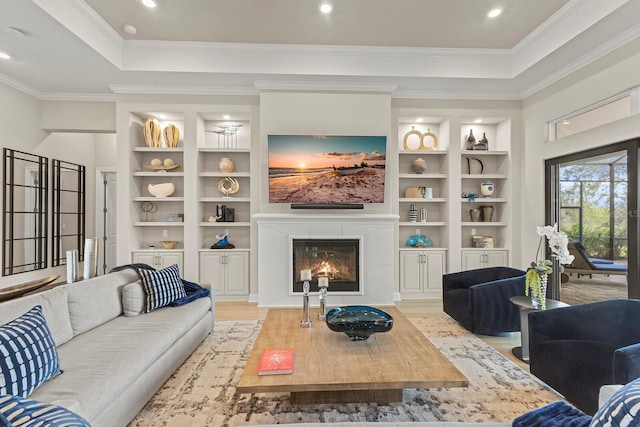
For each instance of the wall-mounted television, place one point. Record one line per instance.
(326, 169)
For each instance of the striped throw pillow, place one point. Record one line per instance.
(623, 409)
(19, 412)
(28, 355)
(161, 287)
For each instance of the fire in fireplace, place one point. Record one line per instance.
(337, 259)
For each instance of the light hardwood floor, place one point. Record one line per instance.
(239, 310)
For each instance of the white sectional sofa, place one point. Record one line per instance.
(112, 364)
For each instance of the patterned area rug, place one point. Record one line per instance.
(202, 391)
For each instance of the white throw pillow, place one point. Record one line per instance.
(133, 299)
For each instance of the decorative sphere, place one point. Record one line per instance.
(226, 165)
(168, 162)
(419, 165)
(156, 162)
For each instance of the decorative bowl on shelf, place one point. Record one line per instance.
(169, 244)
(359, 322)
(161, 166)
(162, 190)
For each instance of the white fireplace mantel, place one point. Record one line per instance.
(275, 232)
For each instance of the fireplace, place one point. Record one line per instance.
(336, 259)
(377, 256)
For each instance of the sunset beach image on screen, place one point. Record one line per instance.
(326, 168)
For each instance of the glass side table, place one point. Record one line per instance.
(526, 307)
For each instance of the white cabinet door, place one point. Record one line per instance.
(168, 259)
(237, 273)
(497, 259)
(421, 272)
(149, 258)
(227, 271)
(212, 271)
(410, 271)
(472, 260)
(483, 259)
(159, 260)
(433, 269)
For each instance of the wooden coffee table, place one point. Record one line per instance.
(330, 368)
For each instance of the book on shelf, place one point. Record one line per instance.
(276, 361)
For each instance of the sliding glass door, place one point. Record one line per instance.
(593, 196)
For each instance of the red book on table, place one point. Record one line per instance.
(276, 361)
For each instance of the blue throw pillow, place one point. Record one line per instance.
(161, 287)
(556, 414)
(19, 412)
(623, 409)
(28, 355)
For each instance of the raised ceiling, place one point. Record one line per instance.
(78, 49)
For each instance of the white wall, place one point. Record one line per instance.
(20, 121)
(287, 113)
(556, 102)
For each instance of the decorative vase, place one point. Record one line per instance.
(152, 133)
(475, 215)
(171, 136)
(539, 300)
(226, 165)
(423, 214)
(91, 257)
(483, 144)
(471, 140)
(486, 188)
(413, 213)
(72, 266)
(419, 165)
(487, 213)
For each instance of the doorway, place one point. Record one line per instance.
(592, 195)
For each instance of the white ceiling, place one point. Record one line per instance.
(77, 49)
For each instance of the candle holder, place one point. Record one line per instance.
(306, 313)
(323, 284)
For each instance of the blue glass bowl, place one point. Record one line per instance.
(359, 322)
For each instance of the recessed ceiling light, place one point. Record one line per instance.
(130, 29)
(4, 55)
(494, 12)
(477, 121)
(326, 7)
(566, 122)
(419, 120)
(149, 3)
(226, 117)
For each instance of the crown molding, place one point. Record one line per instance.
(360, 61)
(45, 96)
(81, 20)
(78, 97)
(183, 90)
(96, 20)
(617, 42)
(456, 95)
(19, 86)
(571, 20)
(324, 86)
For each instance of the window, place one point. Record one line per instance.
(595, 115)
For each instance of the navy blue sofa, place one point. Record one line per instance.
(578, 349)
(479, 299)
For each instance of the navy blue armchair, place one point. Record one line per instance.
(578, 349)
(479, 299)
